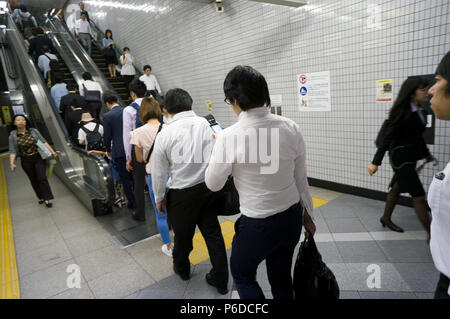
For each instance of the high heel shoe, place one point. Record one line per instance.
(49, 204)
(391, 225)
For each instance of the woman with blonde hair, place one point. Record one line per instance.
(143, 139)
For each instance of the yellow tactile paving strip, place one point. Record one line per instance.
(200, 251)
(9, 280)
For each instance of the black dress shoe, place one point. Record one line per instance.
(223, 290)
(391, 225)
(138, 218)
(41, 201)
(183, 276)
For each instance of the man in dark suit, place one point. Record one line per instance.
(73, 98)
(36, 44)
(72, 121)
(113, 132)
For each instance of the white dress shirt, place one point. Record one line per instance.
(129, 124)
(83, 27)
(44, 62)
(439, 201)
(182, 150)
(90, 86)
(264, 187)
(151, 82)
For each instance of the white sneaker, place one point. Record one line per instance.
(166, 250)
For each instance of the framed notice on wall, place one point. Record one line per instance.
(385, 91)
(313, 91)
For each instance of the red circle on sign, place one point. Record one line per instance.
(302, 79)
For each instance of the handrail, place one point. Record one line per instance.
(70, 157)
(9, 66)
(118, 52)
(88, 59)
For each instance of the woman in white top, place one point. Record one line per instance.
(143, 139)
(128, 70)
(439, 192)
(273, 190)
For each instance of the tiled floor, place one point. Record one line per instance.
(349, 237)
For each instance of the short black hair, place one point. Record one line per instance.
(83, 12)
(87, 76)
(110, 97)
(34, 31)
(23, 8)
(106, 33)
(58, 77)
(177, 100)
(27, 121)
(71, 86)
(147, 67)
(247, 87)
(39, 30)
(45, 48)
(138, 87)
(443, 70)
(126, 49)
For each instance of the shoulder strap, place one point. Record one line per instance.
(97, 126)
(151, 149)
(85, 130)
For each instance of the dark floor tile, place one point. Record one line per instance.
(406, 251)
(421, 277)
(387, 295)
(360, 252)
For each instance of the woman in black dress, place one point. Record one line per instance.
(110, 53)
(404, 141)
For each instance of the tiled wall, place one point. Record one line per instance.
(191, 46)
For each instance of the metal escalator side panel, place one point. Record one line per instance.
(73, 164)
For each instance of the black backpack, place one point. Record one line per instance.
(94, 139)
(27, 23)
(92, 96)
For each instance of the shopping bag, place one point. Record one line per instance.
(43, 150)
(227, 199)
(312, 278)
(50, 168)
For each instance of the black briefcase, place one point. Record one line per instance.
(227, 199)
(312, 278)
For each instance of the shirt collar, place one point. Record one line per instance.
(254, 113)
(183, 115)
(114, 106)
(414, 108)
(138, 101)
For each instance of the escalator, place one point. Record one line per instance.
(87, 176)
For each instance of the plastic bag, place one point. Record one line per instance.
(312, 278)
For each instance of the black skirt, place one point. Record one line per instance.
(111, 59)
(408, 180)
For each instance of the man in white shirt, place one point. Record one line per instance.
(93, 104)
(151, 82)
(183, 150)
(83, 32)
(273, 190)
(44, 60)
(439, 192)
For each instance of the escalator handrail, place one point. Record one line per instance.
(44, 91)
(91, 62)
(116, 48)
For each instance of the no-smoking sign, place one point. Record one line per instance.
(302, 79)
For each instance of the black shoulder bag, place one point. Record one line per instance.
(151, 149)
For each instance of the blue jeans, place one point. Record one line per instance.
(161, 219)
(272, 239)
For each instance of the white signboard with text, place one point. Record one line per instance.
(313, 90)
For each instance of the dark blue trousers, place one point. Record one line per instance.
(126, 177)
(442, 288)
(272, 239)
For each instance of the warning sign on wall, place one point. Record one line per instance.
(384, 91)
(313, 90)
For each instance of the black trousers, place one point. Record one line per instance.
(139, 185)
(272, 239)
(125, 177)
(190, 207)
(128, 79)
(35, 168)
(442, 288)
